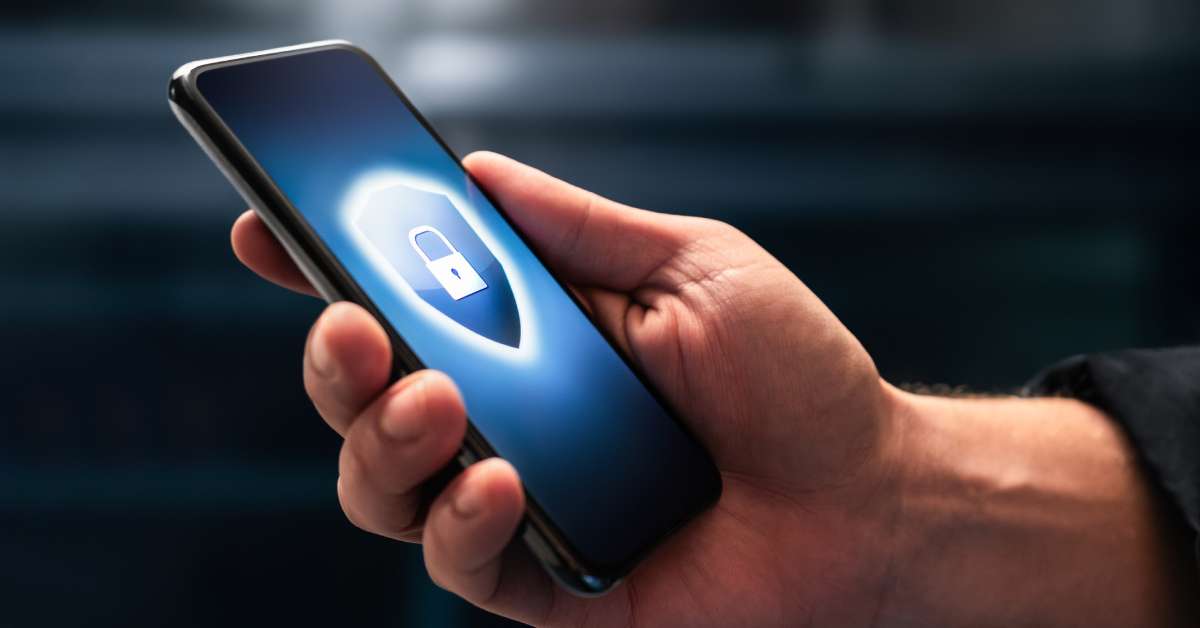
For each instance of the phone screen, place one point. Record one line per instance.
(595, 449)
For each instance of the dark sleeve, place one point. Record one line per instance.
(1155, 396)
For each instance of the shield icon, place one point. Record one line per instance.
(431, 246)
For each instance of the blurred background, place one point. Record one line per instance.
(977, 188)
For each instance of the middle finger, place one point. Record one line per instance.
(404, 438)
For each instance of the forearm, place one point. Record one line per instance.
(1030, 512)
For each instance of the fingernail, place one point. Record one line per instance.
(469, 500)
(400, 421)
(319, 354)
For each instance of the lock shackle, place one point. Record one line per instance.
(416, 231)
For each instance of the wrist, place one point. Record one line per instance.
(1025, 511)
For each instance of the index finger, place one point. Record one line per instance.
(256, 247)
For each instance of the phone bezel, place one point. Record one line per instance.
(320, 265)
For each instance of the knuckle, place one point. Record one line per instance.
(351, 466)
(435, 575)
(437, 581)
(379, 509)
(321, 393)
(348, 510)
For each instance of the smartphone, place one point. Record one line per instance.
(375, 209)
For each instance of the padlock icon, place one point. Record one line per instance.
(453, 271)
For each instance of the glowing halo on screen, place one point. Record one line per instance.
(352, 206)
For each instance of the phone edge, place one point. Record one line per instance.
(556, 559)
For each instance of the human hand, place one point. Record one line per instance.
(781, 394)
(827, 505)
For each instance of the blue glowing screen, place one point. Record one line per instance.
(596, 451)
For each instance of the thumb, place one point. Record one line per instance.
(587, 239)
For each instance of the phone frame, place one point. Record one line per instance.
(321, 267)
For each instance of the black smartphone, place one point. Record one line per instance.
(375, 209)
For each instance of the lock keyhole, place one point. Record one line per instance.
(456, 275)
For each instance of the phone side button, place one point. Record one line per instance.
(466, 458)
